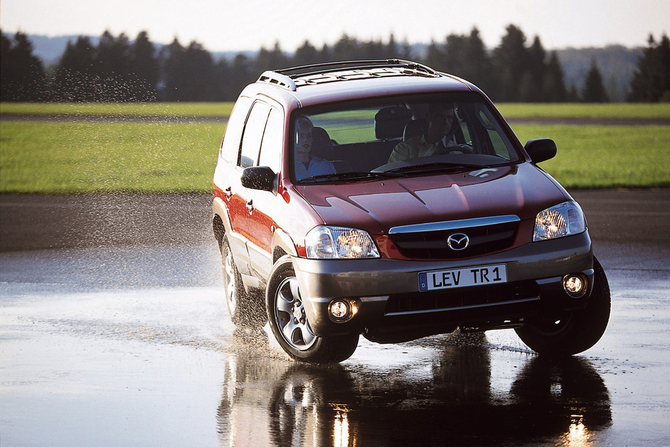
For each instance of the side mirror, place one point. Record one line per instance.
(541, 149)
(259, 177)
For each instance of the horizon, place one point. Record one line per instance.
(223, 26)
(131, 38)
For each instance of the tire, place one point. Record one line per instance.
(289, 324)
(247, 310)
(572, 332)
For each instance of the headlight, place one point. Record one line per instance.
(339, 243)
(561, 220)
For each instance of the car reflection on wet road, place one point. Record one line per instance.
(133, 346)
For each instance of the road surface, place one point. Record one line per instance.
(113, 331)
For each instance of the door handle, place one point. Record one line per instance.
(250, 206)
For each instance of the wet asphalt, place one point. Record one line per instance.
(113, 331)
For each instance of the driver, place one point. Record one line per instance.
(308, 164)
(439, 135)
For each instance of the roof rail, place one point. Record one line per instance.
(285, 77)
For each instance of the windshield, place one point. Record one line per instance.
(400, 136)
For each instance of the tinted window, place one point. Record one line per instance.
(369, 136)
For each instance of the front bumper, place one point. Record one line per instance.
(386, 291)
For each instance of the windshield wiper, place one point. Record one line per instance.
(432, 167)
(347, 176)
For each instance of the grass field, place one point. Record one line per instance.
(87, 156)
(213, 109)
(152, 109)
(605, 156)
(601, 112)
(81, 157)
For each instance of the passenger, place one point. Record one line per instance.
(308, 164)
(439, 135)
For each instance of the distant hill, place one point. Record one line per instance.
(615, 62)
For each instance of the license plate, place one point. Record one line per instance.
(463, 277)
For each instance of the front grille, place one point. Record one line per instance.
(433, 244)
(462, 298)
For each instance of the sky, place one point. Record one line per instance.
(240, 25)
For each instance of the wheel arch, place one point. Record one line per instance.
(220, 219)
(282, 244)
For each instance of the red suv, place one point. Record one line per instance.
(386, 199)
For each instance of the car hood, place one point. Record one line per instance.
(376, 206)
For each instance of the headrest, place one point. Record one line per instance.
(390, 122)
(322, 146)
(415, 128)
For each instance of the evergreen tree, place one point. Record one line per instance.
(190, 73)
(114, 69)
(270, 60)
(466, 57)
(573, 93)
(373, 49)
(112, 56)
(223, 91)
(405, 50)
(201, 73)
(480, 67)
(174, 78)
(306, 54)
(435, 57)
(74, 80)
(325, 54)
(537, 72)
(510, 61)
(651, 81)
(455, 55)
(241, 73)
(144, 64)
(345, 49)
(594, 90)
(21, 73)
(391, 49)
(553, 85)
(120, 70)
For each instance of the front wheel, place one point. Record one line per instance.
(290, 326)
(572, 332)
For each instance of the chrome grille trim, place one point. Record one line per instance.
(454, 224)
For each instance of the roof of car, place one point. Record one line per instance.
(336, 81)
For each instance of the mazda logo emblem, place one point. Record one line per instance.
(458, 241)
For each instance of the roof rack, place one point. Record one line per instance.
(273, 77)
(287, 77)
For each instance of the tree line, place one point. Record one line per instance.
(120, 70)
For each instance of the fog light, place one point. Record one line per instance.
(341, 310)
(574, 285)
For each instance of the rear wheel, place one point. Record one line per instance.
(246, 309)
(289, 323)
(572, 332)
